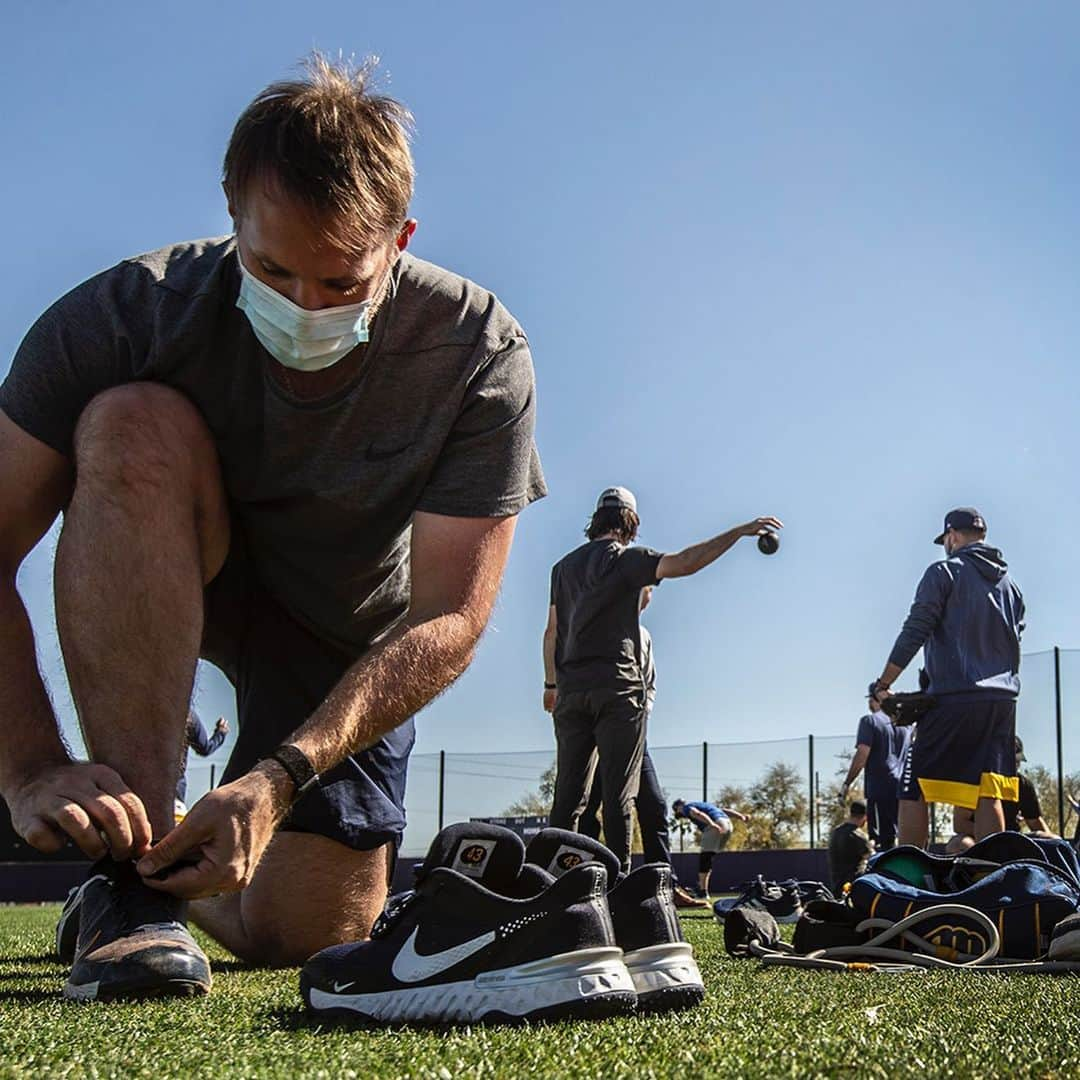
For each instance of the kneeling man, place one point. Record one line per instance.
(295, 451)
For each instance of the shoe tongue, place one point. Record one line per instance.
(558, 850)
(489, 854)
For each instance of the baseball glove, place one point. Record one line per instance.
(904, 709)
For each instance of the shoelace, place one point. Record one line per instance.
(392, 914)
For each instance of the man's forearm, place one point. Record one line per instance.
(891, 673)
(549, 657)
(858, 763)
(386, 686)
(29, 736)
(696, 557)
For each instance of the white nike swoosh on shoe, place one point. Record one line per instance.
(409, 966)
(338, 987)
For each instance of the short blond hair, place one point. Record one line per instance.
(329, 143)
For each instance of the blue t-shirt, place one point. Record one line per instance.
(713, 812)
(888, 744)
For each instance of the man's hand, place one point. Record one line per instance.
(550, 698)
(88, 802)
(222, 725)
(760, 526)
(224, 835)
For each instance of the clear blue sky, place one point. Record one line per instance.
(812, 260)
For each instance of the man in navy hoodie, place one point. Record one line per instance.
(967, 617)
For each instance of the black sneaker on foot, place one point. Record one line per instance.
(67, 926)
(131, 940)
(481, 938)
(660, 960)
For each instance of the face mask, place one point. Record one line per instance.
(295, 337)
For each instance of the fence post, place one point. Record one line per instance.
(704, 772)
(817, 805)
(810, 781)
(1060, 759)
(211, 776)
(442, 785)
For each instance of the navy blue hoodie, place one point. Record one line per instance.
(967, 618)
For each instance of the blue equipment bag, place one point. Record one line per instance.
(1024, 887)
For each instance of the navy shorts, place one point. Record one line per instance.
(965, 751)
(282, 672)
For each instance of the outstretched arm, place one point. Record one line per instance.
(696, 557)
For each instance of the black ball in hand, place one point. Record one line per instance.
(768, 543)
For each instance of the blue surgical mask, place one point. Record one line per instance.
(295, 337)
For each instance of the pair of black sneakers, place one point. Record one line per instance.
(495, 931)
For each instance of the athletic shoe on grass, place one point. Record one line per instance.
(660, 960)
(131, 941)
(481, 938)
(67, 926)
(1065, 940)
(683, 899)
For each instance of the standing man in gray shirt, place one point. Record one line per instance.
(593, 678)
(296, 451)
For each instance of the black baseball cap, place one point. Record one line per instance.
(964, 518)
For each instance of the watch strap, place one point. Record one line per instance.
(296, 763)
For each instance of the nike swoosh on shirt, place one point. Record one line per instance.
(409, 966)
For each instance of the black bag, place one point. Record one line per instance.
(825, 924)
(748, 922)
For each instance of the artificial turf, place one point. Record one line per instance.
(753, 1023)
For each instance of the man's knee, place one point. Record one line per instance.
(139, 442)
(141, 433)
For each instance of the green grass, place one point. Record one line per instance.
(753, 1023)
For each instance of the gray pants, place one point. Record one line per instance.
(611, 723)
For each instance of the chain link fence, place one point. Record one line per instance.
(789, 786)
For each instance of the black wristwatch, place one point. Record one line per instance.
(550, 686)
(295, 762)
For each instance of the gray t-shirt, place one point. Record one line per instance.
(596, 590)
(438, 417)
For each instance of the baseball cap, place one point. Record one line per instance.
(965, 518)
(1020, 755)
(617, 496)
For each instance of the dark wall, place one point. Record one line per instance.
(14, 849)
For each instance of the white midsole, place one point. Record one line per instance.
(516, 991)
(663, 967)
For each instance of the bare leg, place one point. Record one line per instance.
(147, 526)
(989, 818)
(309, 892)
(914, 822)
